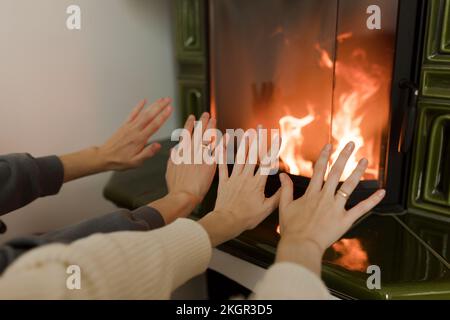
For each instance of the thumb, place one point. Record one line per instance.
(287, 190)
(273, 202)
(149, 151)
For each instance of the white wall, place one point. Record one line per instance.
(63, 90)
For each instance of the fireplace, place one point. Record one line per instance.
(322, 72)
(281, 62)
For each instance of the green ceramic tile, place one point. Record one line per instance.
(437, 174)
(193, 97)
(191, 34)
(445, 42)
(436, 83)
(429, 176)
(437, 37)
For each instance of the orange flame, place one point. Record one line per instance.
(345, 120)
(290, 151)
(352, 255)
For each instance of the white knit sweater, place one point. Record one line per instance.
(139, 265)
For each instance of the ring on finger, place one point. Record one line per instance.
(343, 194)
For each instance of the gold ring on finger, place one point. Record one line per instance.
(343, 194)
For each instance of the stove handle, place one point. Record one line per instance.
(409, 118)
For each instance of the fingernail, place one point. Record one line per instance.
(328, 148)
(381, 193)
(350, 146)
(364, 162)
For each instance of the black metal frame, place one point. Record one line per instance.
(408, 54)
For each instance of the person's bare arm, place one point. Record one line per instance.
(187, 183)
(241, 203)
(126, 149)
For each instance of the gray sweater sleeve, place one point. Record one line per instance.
(24, 179)
(142, 219)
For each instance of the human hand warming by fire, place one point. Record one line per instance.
(127, 148)
(241, 202)
(312, 223)
(193, 180)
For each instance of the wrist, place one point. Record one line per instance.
(220, 226)
(104, 160)
(293, 239)
(301, 250)
(82, 163)
(174, 206)
(186, 197)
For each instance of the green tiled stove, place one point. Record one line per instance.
(408, 236)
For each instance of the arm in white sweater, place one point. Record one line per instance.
(125, 265)
(139, 265)
(290, 281)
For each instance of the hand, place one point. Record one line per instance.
(192, 180)
(241, 203)
(314, 222)
(127, 148)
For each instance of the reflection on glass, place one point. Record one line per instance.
(351, 255)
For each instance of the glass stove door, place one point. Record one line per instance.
(312, 68)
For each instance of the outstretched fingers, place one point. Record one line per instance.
(320, 169)
(338, 168)
(241, 156)
(252, 157)
(148, 152)
(157, 122)
(189, 124)
(352, 182)
(272, 203)
(287, 191)
(146, 117)
(136, 110)
(364, 207)
(223, 164)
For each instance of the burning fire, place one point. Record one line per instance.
(345, 119)
(352, 255)
(291, 131)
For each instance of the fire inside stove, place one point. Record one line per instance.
(346, 121)
(312, 68)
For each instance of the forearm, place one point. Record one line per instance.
(83, 163)
(220, 227)
(296, 273)
(142, 219)
(290, 281)
(304, 252)
(125, 265)
(175, 205)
